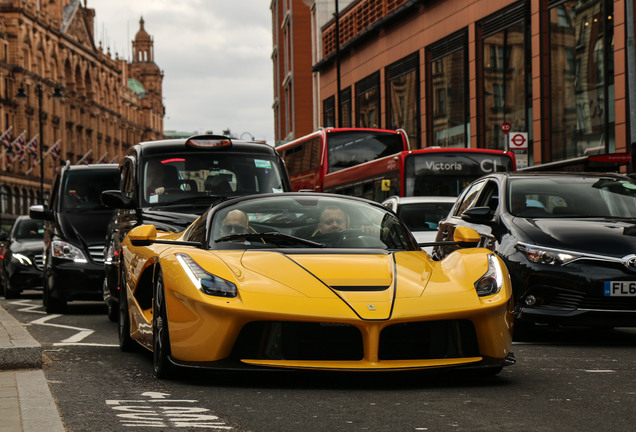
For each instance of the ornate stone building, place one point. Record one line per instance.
(63, 98)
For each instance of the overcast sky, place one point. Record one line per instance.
(215, 55)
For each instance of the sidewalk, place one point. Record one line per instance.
(26, 403)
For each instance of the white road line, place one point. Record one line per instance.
(82, 334)
(28, 307)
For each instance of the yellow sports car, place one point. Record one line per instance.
(311, 281)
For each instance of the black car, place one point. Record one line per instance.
(75, 231)
(21, 257)
(568, 239)
(170, 183)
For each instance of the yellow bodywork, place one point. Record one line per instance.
(366, 291)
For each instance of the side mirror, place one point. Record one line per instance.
(117, 200)
(478, 214)
(466, 237)
(40, 212)
(3, 236)
(143, 235)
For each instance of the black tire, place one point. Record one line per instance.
(164, 368)
(9, 292)
(126, 343)
(52, 305)
(113, 312)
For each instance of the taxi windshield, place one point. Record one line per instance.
(307, 222)
(182, 178)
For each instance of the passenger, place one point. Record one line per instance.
(236, 222)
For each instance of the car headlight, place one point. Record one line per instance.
(65, 250)
(545, 255)
(492, 281)
(204, 281)
(22, 259)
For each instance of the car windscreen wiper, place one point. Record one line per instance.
(271, 237)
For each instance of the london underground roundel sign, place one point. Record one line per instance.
(518, 140)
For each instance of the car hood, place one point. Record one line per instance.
(84, 227)
(374, 286)
(27, 246)
(608, 237)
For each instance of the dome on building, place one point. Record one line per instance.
(142, 35)
(136, 86)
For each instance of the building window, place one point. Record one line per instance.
(403, 95)
(505, 74)
(447, 60)
(582, 98)
(344, 113)
(368, 101)
(329, 112)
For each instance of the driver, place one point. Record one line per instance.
(332, 219)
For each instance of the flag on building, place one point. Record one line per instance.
(55, 150)
(32, 146)
(5, 139)
(103, 158)
(86, 159)
(18, 148)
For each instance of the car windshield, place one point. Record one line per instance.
(311, 221)
(29, 229)
(182, 177)
(423, 216)
(569, 196)
(82, 188)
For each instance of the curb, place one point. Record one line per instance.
(18, 349)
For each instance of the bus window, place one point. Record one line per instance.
(349, 148)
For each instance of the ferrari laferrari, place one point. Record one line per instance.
(311, 281)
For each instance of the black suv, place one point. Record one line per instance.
(21, 257)
(75, 230)
(170, 183)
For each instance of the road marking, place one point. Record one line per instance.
(75, 340)
(28, 307)
(157, 412)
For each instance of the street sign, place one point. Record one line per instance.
(505, 127)
(518, 140)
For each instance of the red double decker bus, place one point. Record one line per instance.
(430, 171)
(312, 158)
(377, 163)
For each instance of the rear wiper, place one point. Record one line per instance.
(273, 237)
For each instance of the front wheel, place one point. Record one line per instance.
(52, 305)
(160, 334)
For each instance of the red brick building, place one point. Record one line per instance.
(107, 103)
(452, 72)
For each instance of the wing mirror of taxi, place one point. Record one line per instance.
(466, 237)
(40, 212)
(3, 236)
(480, 214)
(117, 200)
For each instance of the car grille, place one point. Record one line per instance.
(275, 340)
(38, 261)
(572, 300)
(97, 253)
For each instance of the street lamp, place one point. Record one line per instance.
(22, 96)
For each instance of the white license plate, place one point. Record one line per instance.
(620, 288)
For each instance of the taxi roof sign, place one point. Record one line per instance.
(209, 141)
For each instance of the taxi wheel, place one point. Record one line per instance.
(52, 305)
(160, 335)
(113, 312)
(9, 292)
(126, 343)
